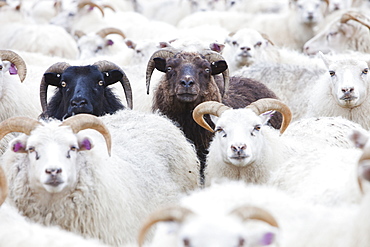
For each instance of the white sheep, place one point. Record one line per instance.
(342, 91)
(243, 148)
(53, 181)
(347, 32)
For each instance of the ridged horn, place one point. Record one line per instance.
(91, 4)
(3, 186)
(17, 60)
(110, 30)
(209, 107)
(354, 16)
(104, 66)
(108, 7)
(18, 124)
(268, 104)
(55, 68)
(213, 56)
(174, 213)
(248, 212)
(163, 53)
(87, 121)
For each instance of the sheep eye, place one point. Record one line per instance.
(235, 43)
(1, 67)
(220, 130)
(186, 242)
(100, 83)
(31, 149)
(259, 43)
(332, 73)
(169, 69)
(63, 84)
(257, 127)
(365, 71)
(73, 148)
(207, 70)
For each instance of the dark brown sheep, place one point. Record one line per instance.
(190, 80)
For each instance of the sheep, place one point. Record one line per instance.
(83, 89)
(342, 91)
(347, 32)
(244, 149)
(189, 80)
(54, 182)
(17, 231)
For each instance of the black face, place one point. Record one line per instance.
(189, 77)
(82, 89)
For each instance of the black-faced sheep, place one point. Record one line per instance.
(83, 89)
(189, 80)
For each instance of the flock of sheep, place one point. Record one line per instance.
(238, 123)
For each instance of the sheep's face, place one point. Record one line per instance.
(349, 81)
(244, 45)
(5, 66)
(51, 153)
(239, 136)
(309, 11)
(189, 76)
(92, 45)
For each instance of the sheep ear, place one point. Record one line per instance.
(160, 64)
(53, 79)
(218, 67)
(214, 119)
(348, 30)
(18, 145)
(359, 138)
(112, 76)
(265, 117)
(217, 47)
(325, 59)
(85, 143)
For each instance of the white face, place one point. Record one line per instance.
(349, 82)
(90, 45)
(310, 11)
(51, 154)
(239, 134)
(4, 68)
(245, 44)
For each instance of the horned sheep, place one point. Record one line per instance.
(60, 173)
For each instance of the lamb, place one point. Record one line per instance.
(347, 32)
(342, 91)
(83, 89)
(69, 180)
(244, 149)
(189, 81)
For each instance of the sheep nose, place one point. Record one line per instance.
(187, 83)
(310, 15)
(238, 149)
(53, 172)
(348, 90)
(245, 48)
(78, 102)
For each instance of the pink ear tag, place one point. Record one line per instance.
(13, 70)
(17, 146)
(86, 143)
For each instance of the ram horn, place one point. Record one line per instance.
(163, 53)
(174, 213)
(213, 56)
(108, 7)
(79, 34)
(209, 107)
(55, 68)
(268, 104)
(354, 16)
(91, 4)
(87, 121)
(105, 66)
(110, 30)
(247, 212)
(17, 60)
(3, 186)
(18, 124)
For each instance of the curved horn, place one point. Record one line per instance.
(209, 107)
(163, 53)
(79, 33)
(254, 213)
(175, 213)
(3, 186)
(55, 68)
(354, 16)
(17, 60)
(104, 66)
(267, 104)
(213, 56)
(110, 30)
(108, 6)
(91, 4)
(87, 121)
(18, 124)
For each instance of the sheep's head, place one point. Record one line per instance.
(188, 74)
(349, 81)
(51, 148)
(348, 32)
(310, 11)
(239, 137)
(83, 89)
(214, 230)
